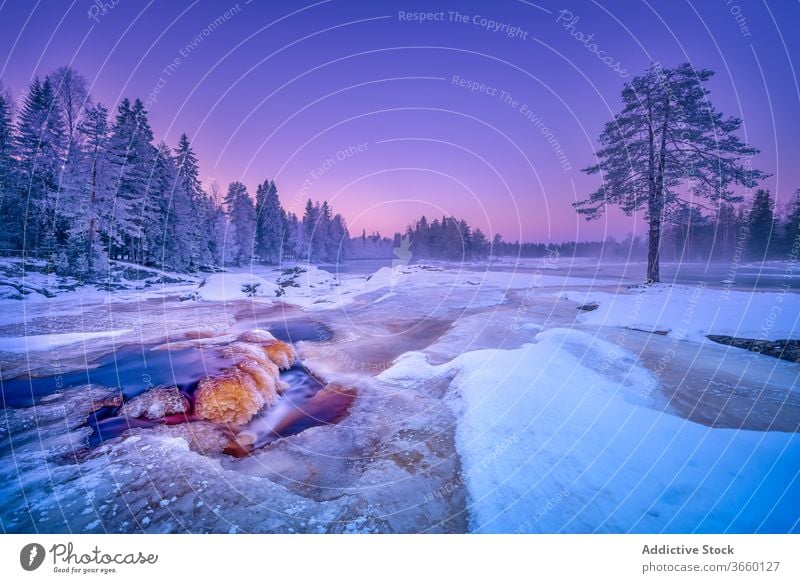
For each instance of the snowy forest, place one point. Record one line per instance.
(81, 188)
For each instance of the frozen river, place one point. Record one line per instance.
(743, 276)
(477, 400)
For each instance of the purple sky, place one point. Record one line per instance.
(350, 102)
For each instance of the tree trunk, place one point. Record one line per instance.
(654, 235)
(91, 220)
(656, 209)
(653, 246)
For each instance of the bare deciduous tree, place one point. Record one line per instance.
(72, 96)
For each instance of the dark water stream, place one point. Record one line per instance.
(135, 369)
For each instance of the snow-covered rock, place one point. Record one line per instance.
(305, 281)
(280, 353)
(68, 408)
(202, 437)
(222, 287)
(156, 403)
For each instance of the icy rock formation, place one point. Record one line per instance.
(783, 349)
(68, 409)
(203, 437)
(265, 376)
(256, 336)
(252, 382)
(231, 398)
(237, 351)
(278, 352)
(156, 403)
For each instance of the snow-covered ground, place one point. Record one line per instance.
(561, 435)
(486, 401)
(50, 341)
(693, 312)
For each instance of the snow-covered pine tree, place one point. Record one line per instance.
(87, 197)
(132, 155)
(168, 238)
(310, 231)
(197, 220)
(293, 238)
(668, 143)
(10, 208)
(40, 146)
(269, 223)
(242, 217)
(338, 239)
(791, 230)
(324, 247)
(760, 225)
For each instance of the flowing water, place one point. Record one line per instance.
(134, 369)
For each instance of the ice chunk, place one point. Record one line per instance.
(156, 403)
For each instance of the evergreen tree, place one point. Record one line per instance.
(40, 142)
(87, 195)
(242, 217)
(168, 240)
(791, 231)
(338, 239)
(760, 224)
(269, 223)
(310, 231)
(322, 246)
(452, 240)
(132, 156)
(480, 244)
(195, 221)
(668, 140)
(10, 207)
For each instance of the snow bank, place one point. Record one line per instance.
(694, 312)
(306, 281)
(556, 437)
(49, 341)
(222, 287)
(312, 288)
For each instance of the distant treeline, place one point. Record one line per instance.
(753, 231)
